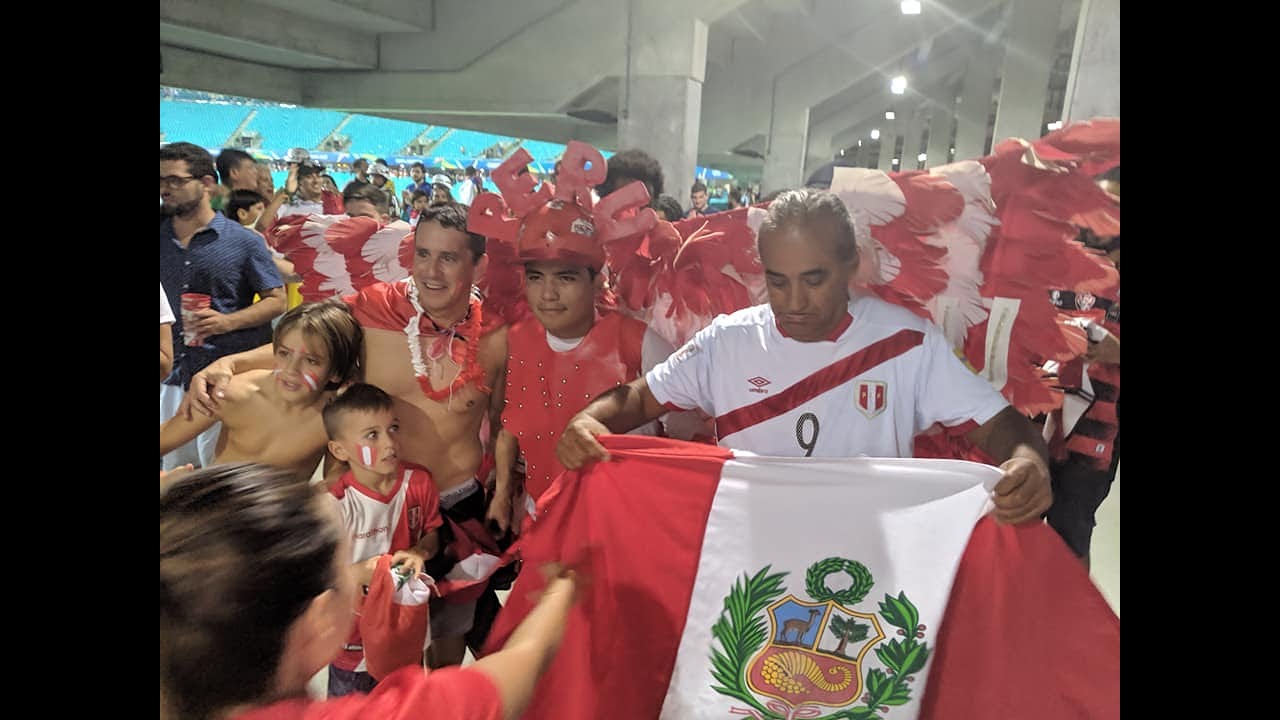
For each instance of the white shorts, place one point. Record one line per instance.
(200, 451)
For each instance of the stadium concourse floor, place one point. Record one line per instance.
(1105, 570)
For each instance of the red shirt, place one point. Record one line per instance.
(410, 692)
(546, 388)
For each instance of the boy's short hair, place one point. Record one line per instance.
(360, 397)
(331, 322)
(421, 194)
(357, 190)
(239, 200)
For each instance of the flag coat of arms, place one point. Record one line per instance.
(721, 584)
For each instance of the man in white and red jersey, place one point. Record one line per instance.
(816, 373)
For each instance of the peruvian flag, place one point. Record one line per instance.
(718, 583)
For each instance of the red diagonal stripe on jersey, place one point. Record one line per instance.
(831, 376)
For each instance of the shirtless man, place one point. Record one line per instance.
(427, 344)
(274, 416)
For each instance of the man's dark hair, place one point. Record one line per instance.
(198, 158)
(360, 397)
(357, 190)
(419, 194)
(815, 209)
(228, 160)
(306, 169)
(471, 171)
(669, 207)
(418, 165)
(453, 215)
(359, 162)
(631, 165)
(241, 200)
(697, 187)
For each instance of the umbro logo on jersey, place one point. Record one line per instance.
(759, 383)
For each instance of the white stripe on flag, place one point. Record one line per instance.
(906, 521)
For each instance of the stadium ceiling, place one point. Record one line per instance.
(556, 70)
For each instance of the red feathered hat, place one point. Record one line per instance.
(560, 222)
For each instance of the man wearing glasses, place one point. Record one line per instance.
(210, 269)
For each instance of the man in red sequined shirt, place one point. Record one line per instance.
(568, 352)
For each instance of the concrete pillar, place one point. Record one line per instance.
(1028, 60)
(784, 160)
(974, 109)
(940, 127)
(660, 107)
(911, 140)
(1093, 84)
(888, 141)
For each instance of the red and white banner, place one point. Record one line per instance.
(722, 584)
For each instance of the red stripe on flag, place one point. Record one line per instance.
(636, 547)
(829, 377)
(1025, 634)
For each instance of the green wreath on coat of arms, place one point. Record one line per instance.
(771, 644)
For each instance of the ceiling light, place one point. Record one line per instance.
(889, 115)
(895, 161)
(1055, 125)
(922, 157)
(875, 134)
(910, 7)
(898, 85)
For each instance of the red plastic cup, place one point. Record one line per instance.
(191, 302)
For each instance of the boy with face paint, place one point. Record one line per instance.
(273, 416)
(388, 506)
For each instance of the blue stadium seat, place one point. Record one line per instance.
(467, 145)
(380, 136)
(205, 124)
(283, 128)
(543, 151)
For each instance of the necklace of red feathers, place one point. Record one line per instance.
(466, 355)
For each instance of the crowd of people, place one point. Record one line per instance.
(434, 426)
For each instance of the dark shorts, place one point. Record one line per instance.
(467, 509)
(1079, 487)
(345, 682)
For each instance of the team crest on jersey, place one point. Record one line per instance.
(1085, 301)
(872, 398)
(816, 653)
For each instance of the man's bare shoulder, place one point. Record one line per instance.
(493, 347)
